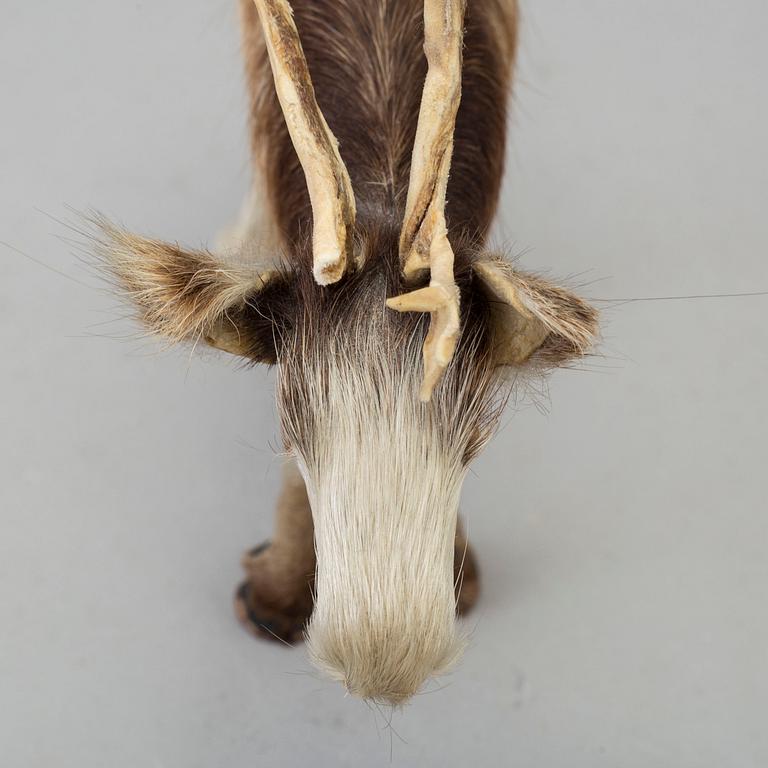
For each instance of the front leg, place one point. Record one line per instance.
(275, 601)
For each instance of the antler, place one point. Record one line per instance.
(328, 183)
(424, 238)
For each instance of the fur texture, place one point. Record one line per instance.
(383, 473)
(564, 325)
(185, 295)
(367, 65)
(383, 470)
(181, 294)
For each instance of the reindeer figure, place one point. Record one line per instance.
(360, 272)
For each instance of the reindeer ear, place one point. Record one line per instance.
(534, 320)
(186, 295)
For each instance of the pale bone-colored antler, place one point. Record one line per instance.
(424, 237)
(328, 183)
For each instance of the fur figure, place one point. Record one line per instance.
(359, 269)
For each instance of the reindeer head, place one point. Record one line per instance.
(394, 347)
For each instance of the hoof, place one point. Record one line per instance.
(269, 606)
(265, 624)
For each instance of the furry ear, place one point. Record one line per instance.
(186, 295)
(534, 320)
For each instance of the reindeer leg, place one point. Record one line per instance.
(465, 573)
(275, 601)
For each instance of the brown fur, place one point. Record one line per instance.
(183, 295)
(368, 67)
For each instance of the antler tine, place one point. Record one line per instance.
(328, 183)
(424, 238)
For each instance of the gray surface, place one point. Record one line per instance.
(622, 534)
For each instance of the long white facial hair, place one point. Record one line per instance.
(384, 474)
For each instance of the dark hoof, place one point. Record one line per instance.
(272, 604)
(267, 624)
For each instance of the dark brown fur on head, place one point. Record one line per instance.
(349, 319)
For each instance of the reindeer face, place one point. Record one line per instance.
(383, 471)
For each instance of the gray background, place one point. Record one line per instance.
(622, 532)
